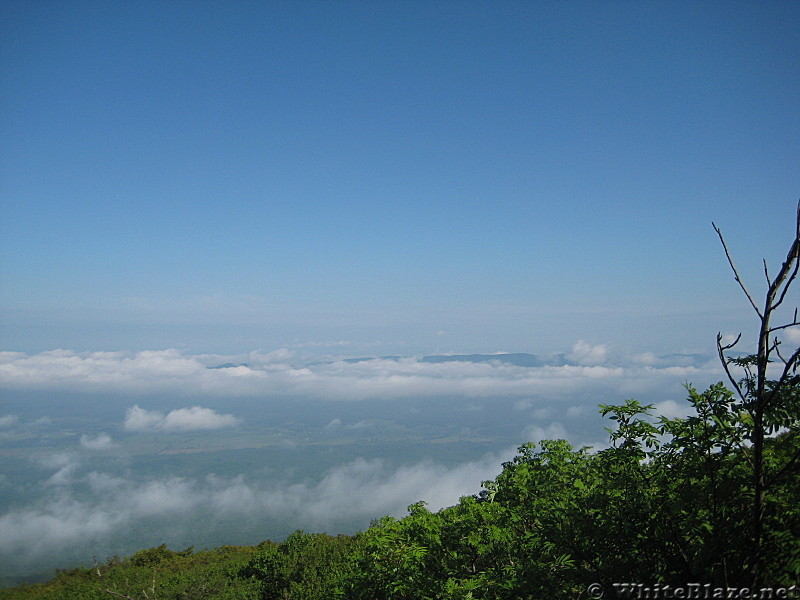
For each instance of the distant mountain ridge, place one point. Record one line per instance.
(517, 359)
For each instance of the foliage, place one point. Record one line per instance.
(306, 566)
(669, 501)
(154, 574)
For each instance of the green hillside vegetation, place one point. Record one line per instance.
(707, 499)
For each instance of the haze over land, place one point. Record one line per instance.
(281, 265)
(107, 452)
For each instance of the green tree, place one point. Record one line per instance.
(305, 566)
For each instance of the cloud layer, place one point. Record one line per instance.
(80, 505)
(281, 373)
(67, 518)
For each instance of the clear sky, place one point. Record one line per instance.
(368, 177)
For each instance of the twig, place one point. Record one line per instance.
(779, 327)
(721, 351)
(775, 347)
(728, 346)
(789, 365)
(736, 272)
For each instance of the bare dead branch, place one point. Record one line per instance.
(790, 366)
(794, 323)
(736, 272)
(775, 347)
(795, 258)
(791, 264)
(766, 273)
(721, 351)
(729, 346)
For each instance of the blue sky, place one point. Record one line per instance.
(374, 177)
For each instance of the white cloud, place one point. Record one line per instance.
(196, 417)
(729, 338)
(139, 419)
(8, 420)
(282, 355)
(34, 533)
(359, 491)
(281, 373)
(370, 490)
(66, 369)
(672, 409)
(645, 358)
(63, 476)
(583, 353)
(792, 335)
(101, 442)
(181, 419)
(56, 460)
(575, 411)
(65, 466)
(553, 431)
(542, 413)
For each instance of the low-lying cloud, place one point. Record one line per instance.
(357, 491)
(195, 418)
(101, 442)
(592, 368)
(584, 353)
(8, 420)
(81, 502)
